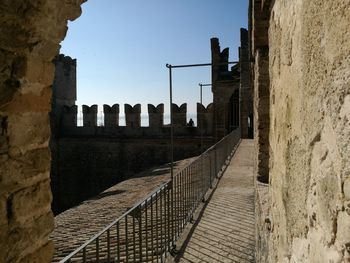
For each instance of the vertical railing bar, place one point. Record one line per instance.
(98, 250)
(134, 237)
(126, 240)
(172, 206)
(118, 242)
(197, 187)
(157, 226)
(178, 213)
(191, 189)
(161, 221)
(183, 198)
(108, 246)
(210, 171)
(146, 229)
(175, 216)
(166, 223)
(215, 162)
(187, 193)
(168, 218)
(84, 255)
(152, 231)
(140, 232)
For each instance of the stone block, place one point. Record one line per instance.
(29, 237)
(40, 196)
(43, 254)
(34, 132)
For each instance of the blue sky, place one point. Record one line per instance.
(122, 46)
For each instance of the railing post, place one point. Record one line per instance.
(215, 162)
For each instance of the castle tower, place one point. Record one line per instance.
(224, 84)
(245, 92)
(64, 89)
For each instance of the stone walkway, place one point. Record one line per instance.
(226, 230)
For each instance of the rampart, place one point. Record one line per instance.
(133, 128)
(90, 158)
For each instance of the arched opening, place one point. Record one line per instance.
(251, 126)
(234, 111)
(30, 42)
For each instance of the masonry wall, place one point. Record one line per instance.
(309, 66)
(87, 165)
(30, 33)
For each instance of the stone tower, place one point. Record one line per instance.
(64, 89)
(224, 84)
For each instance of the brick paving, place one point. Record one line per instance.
(226, 229)
(78, 224)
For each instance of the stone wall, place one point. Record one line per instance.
(157, 128)
(246, 100)
(30, 33)
(309, 134)
(225, 81)
(86, 165)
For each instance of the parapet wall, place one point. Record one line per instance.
(87, 165)
(133, 127)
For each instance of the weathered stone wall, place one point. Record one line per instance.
(261, 114)
(309, 64)
(246, 100)
(87, 165)
(30, 33)
(225, 82)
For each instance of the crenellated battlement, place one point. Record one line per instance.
(90, 116)
(156, 115)
(179, 115)
(132, 115)
(132, 126)
(69, 116)
(205, 117)
(111, 115)
(65, 59)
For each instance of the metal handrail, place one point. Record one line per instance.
(148, 231)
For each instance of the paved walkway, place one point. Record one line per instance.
(226, 230)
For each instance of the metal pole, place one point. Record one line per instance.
(203, 64)
(171, 121)
(201, 119)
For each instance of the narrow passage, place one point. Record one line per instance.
(226, 232)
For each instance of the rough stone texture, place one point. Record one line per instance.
(263, 221)
(225, 231)
(224, 84)
(64, 88)
(309, 68)
(246, 94)
(30, 33)
(261, 114)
